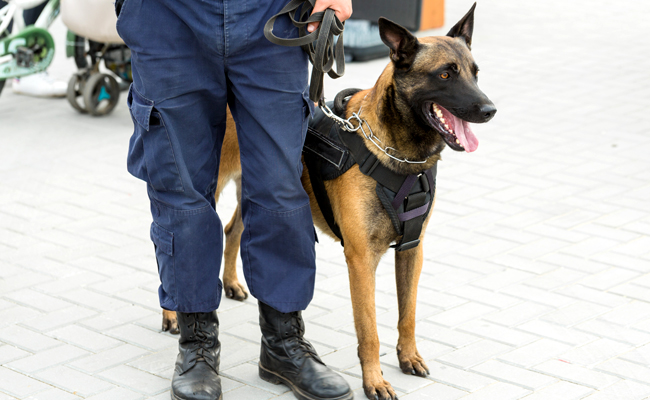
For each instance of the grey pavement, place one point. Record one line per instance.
(536, 282)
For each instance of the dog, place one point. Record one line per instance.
(422, 102)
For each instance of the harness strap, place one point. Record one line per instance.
(415, 206)
(320, 150)
(410, 206)
(323, 200)
(319, 45)
(404, 191)
(407, 199)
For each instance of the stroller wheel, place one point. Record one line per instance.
(75, 92)
(101, 94)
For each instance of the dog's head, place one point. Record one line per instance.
(436, 79)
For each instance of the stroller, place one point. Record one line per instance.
(93, 39)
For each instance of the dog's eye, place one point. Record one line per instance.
(444, 75)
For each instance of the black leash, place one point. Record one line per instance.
(319, 45)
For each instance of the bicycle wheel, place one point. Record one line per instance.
(2, 84)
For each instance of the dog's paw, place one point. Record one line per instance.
(378, 389)
(169, 322)
(235, 290)
(412, 364)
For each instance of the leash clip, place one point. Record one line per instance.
(345, 124)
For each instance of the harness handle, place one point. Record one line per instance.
(319, 45)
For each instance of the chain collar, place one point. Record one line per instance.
(348, 125)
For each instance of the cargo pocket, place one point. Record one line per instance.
(163, 241)
(161, 169)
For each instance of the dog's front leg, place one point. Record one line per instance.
(361, 267)
(408, 265)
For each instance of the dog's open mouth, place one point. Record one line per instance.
(455, 132)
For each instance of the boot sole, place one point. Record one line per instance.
(277, 379)
(178, 398)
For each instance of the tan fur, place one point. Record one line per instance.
(365, 226)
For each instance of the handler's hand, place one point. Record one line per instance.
(342, 10)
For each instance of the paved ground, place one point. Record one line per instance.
(536, 282)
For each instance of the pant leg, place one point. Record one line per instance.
(30, 16)
(178, 105)
(271, 108)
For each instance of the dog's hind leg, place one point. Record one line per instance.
(362, 264)
(408, 265)
(231, 285)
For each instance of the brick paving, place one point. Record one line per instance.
(536, 283)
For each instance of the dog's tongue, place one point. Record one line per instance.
(463, 132)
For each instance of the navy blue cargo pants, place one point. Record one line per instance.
(191, 59)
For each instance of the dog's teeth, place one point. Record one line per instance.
(447, 126)
(457, 141)
(442, 120)
(439, 113)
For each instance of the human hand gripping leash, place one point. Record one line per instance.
(319, 45)
(323, 53)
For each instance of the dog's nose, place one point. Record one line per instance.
(486, 111)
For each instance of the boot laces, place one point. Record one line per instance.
(203, 343)
(300, 347)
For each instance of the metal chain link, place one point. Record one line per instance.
(347, 125)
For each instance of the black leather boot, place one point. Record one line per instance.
(196, 376)
(286, 357)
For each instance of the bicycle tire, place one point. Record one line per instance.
(2, 84)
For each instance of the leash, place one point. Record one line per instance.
(319, 45)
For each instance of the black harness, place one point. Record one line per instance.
(330, 151)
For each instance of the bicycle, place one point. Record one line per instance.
(30, 49)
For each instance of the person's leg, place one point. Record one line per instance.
(32, 14)
(178, 105)
(270, 106)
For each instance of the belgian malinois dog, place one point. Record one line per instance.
(425, 98)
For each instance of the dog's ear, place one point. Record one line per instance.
(403, 45)
(464, 27)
